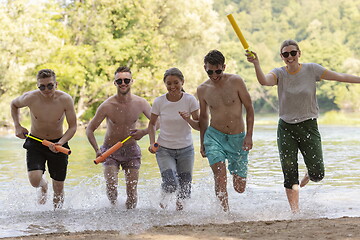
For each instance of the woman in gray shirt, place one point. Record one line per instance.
(298, 113)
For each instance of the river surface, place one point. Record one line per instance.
(86, 206)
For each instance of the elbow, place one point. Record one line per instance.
(73, 129)
(89, 131)
(13, 106)
(265, 83)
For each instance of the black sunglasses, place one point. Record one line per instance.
(210, 72)
(286, 54)
(120, 80)
(42, 87)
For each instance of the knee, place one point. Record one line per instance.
(35, 182)
(169, 181)
(36, 178)
(185, 178)
(317, 177)
(289, 184)
(240, 189)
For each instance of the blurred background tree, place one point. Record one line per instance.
(84, 41)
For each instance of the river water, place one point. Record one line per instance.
(86, 206)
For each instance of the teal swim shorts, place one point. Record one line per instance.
(220, 146)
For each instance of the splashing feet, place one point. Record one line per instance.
(180, 204)
(165, 198)
(42, 195)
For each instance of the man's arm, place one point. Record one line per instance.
(16, 104)
(93, 125)
(70, 119)
(246, 101)
(137, 134)
(203, 118)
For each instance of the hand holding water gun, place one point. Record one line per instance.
(103, 156)
(239, 34)
(154, 147)
(49, 144)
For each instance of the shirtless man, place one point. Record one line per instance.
(48, 108)
(225, 94)
(121, 112)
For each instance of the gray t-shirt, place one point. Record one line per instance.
(297, 92)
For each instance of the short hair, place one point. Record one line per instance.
(122, 69)
(46, 73)
(214, 57)
(173, 72)
(289, 42)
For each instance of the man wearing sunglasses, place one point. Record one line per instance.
(121, 112)
(48, 109)
(225, 95)
(298, 113)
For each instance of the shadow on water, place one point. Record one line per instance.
(86, 206)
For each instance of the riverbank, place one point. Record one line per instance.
(329, 118)
(339, 228)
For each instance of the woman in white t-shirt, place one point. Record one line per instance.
(178, 112)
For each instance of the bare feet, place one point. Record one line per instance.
(295, 210)
(293, 198)
(58, 203)
(43, 192)
(165, 198)
(58, 200)
(223, 197)
(179, 205)
(305, 180)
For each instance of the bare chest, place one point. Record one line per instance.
(123, 114)
(47, 111)
(218, 98)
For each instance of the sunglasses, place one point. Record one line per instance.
(210, 72)
(286, 54)
(120, 80)
(42, 87)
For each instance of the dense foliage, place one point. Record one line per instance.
(84, 41)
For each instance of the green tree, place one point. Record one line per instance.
(26, 39)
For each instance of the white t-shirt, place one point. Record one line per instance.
(175, 132)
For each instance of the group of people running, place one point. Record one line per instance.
(217, 113)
